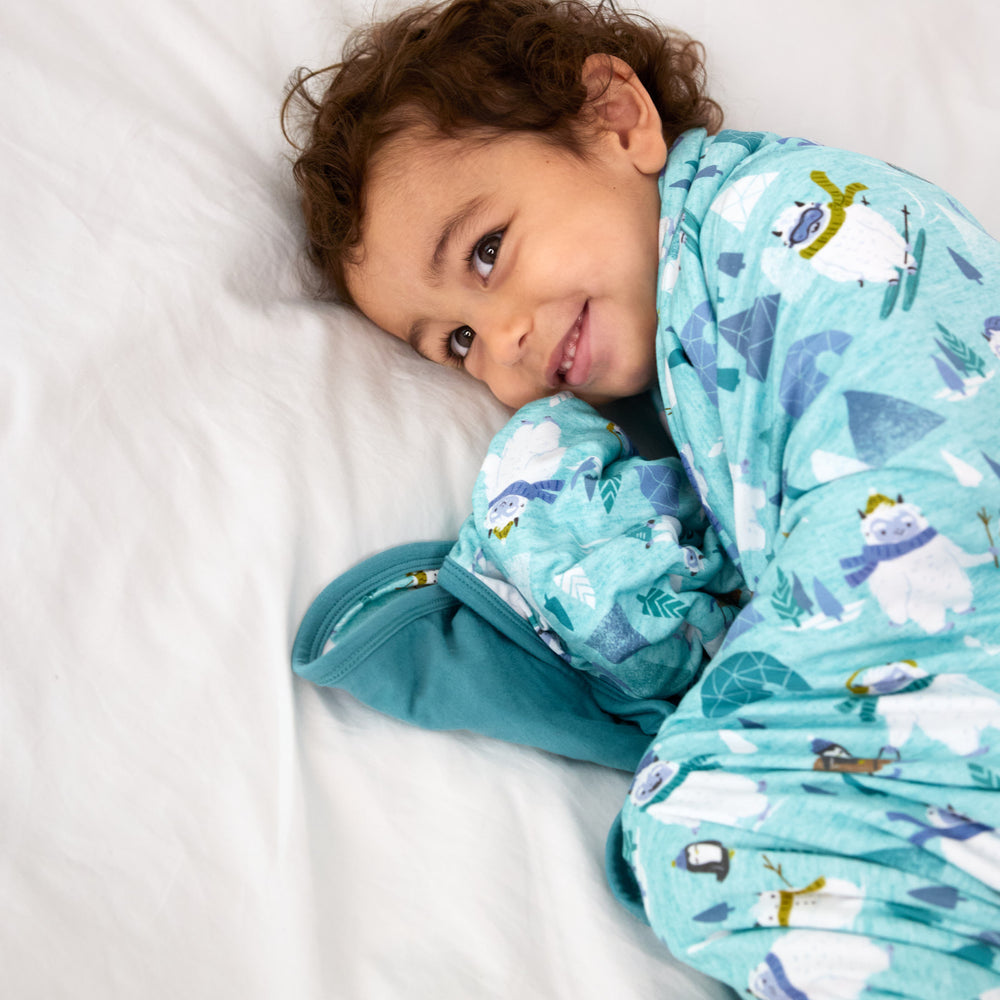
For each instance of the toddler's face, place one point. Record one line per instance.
(531, 268)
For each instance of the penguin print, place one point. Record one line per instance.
(709, 857)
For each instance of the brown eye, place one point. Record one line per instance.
(460, 341)
(485, 253)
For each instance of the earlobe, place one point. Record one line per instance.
(619, 103)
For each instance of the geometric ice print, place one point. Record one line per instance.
(801, 380)
(661, 486)
(882, 426)
(614, 638)
(700, 350)
(743, 679)
(751, 332)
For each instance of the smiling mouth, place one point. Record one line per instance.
(570, 342)
(570, 352)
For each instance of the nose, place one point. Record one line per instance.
(504, 332)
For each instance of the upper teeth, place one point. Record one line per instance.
(569, 353)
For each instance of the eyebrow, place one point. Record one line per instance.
(452, 225)
(417, 332)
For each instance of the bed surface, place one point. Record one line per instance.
(192, 449)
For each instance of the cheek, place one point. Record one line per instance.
(508, 387)
(473, 364)
(514, 393)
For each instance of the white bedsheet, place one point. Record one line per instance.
(191, 449)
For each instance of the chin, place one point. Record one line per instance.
(621, 388)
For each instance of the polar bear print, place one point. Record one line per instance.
(952, 709)
(817, 965)
(713, 797)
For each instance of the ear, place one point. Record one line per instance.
(620, 105)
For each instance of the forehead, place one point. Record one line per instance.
(413, 182)
(417, 180)
(424, 191)
(420, 147)
(421, 171)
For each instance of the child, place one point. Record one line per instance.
(538, 193)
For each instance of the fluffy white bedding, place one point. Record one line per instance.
(191, 449)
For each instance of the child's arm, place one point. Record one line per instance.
(609, 556)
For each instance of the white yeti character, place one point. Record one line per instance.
(914, 573)
(830, 903)
(843, 240)
(523, 472)
(817, 965)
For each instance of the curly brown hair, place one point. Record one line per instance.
(482, 67)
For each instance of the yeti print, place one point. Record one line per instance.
(843, 239)
(913, 572)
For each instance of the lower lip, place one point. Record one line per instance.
(580, 368)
